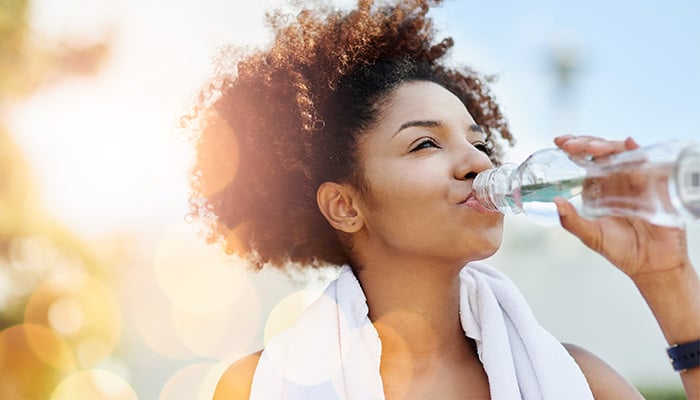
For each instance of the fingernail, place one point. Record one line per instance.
(561, 207)
(562, 138)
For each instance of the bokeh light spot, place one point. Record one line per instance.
(190, 383)
(94, 385)
(211, 288)
(149, 312)
(219, 158)
(154, 324)
(288, 351)
(193, 275)
(214, 307)
(223, 332)
(287, 311)
(235, 239)
(80, 311)
(65, 316)
(91, 349)
(33, 360)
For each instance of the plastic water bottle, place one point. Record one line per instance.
(660, 183)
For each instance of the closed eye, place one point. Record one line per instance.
(425, 144)
(482, 147)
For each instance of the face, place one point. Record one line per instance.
(419, 162)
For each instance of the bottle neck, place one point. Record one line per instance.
(492, 189)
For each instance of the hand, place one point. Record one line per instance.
(635, 246)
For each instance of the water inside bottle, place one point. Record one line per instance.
(536, 199)
(657, 192)
(646, 192)
(659, 183)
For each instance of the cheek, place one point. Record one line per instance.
(408, 183)
(384, 188)
(402, 201)
(398, 210)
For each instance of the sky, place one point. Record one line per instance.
(638, 68)
(107, 152)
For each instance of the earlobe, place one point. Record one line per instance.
(336, 204)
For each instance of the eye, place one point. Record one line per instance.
(424, 144)
(482, 147)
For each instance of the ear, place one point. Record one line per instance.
(336, 203)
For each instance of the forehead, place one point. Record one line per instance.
(424, 100)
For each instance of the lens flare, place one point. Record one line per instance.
(152, 317)
(214, 307)
(191, 382)
(288, 310)
(217, 165)
(33, 360)
(235, 239)
(149, 312)
(193, 275)
(85, 313)
(224, 332)
(65, 316)
(286, 350)
(94, 385)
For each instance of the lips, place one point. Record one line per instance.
(474, 204)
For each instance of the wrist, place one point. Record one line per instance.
(674, 298)
(680, 274)
(685, 356)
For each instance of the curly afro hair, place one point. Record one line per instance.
(289, 116)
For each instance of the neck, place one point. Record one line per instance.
(415, 310)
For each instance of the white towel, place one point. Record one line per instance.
(333, 350)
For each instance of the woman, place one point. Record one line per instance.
(350, 142)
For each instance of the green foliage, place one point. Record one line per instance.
(663, 393)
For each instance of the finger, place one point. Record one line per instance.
(601, 147)
(593, 147)
(631, 144)
(573, 142)
(559, 140)
(587, 231)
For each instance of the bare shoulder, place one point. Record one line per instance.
(235, 383)
(605, 382)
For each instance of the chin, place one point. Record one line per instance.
(489, 242)
(489, 253)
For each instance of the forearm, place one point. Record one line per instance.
(674, 299)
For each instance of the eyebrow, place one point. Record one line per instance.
(432, 124)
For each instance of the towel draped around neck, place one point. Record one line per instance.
(333, 351)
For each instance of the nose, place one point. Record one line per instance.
(470, 162)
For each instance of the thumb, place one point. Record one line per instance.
(586, 230)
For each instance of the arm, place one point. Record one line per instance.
(654, 257)
(604, 381)
(235, 383)
(674, 299)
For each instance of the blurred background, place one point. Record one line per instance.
(107, 293)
